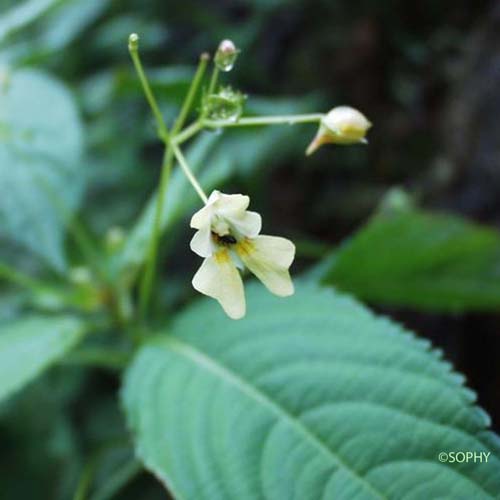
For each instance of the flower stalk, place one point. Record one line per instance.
(133, 47)
(148, 276)
(193, 89)
(187, 172)
(228, 235)
(265, 120)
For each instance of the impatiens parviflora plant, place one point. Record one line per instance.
(228, 235)
(309, 397)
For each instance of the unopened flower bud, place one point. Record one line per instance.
(133, 42)
(342, 125)
(80, 276)
(226, 55)
(114, 239)
(227, 104)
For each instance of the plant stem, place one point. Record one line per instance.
(118, 479)
(188, 132)
(187, 171)
(264, 120)
(193, 89)
(148, 276)
(20, 279)
(105, 358)
(87, 476)
(213, 80)
(133, 47)
(37, 288)
(196, 126)
(253, 121)
(85, 481)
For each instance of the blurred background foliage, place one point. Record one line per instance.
(426, 73)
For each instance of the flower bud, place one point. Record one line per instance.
(227, 104)
(342, 125)
(226, 55)
(133, 42)
(114, 239)
(80, 276)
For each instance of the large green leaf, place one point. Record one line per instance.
(425, 260)
(21, 15)
(69, 21)
(30, 345)
(308, 397)
(40, 170)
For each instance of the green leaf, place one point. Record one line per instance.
(40, 170)
(70, 21)
(308, 397)
(424, 260)
(21, 15)
(31, 345)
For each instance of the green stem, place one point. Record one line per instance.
(193, 89)
(133, 47)
(36, 287)
(213, 80)
(85, 481)
(148, 276)
(20, 279)
(187, 171)
(90, 468)
(253, 121)
(264, 120)
(118, 479)
(105, 358)
(188, 132)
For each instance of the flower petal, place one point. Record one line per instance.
(220, 205)
(201, 242)
(230, 204)
(347, 124)
(218, 278)
(248, 225)
(202, 217)
(269, 257)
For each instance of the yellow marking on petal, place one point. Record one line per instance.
(245, 247)
(222, 256)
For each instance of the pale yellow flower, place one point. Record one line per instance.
(342, 125)
(228, 237)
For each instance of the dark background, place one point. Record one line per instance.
(426, 73)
